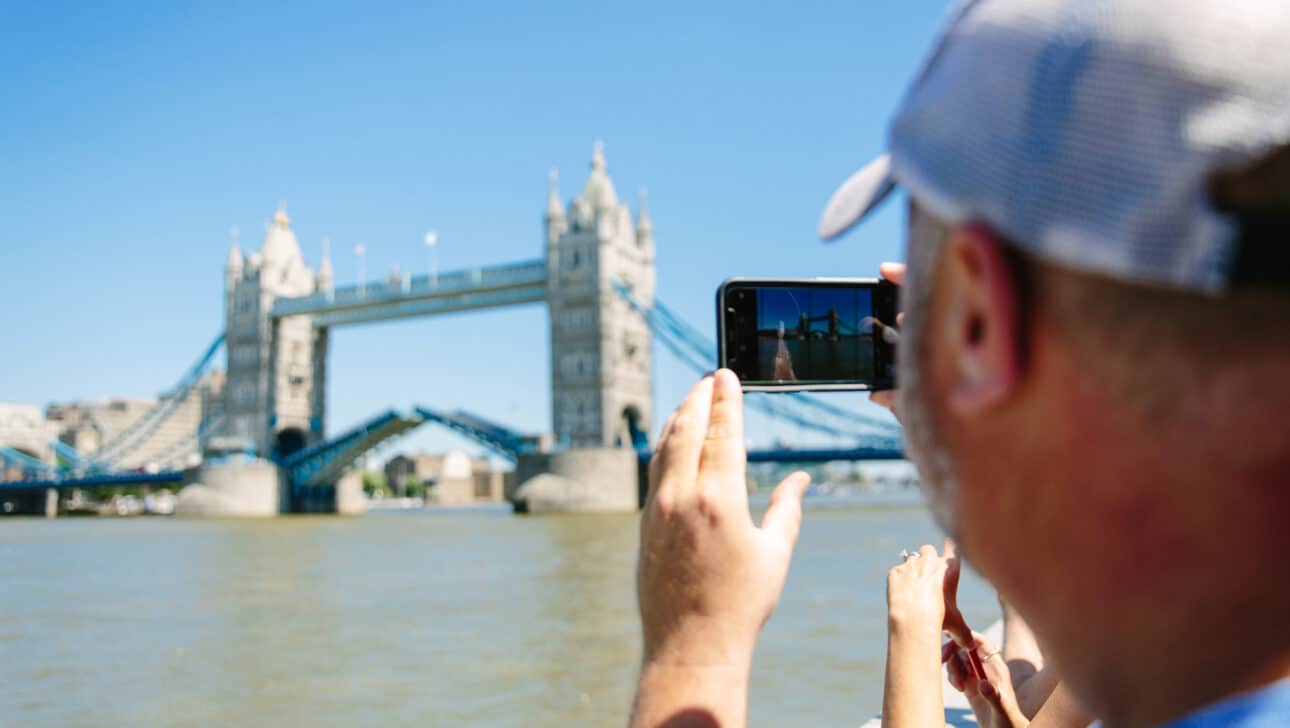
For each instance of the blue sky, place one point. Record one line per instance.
(135, 135)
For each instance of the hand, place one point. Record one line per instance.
(922, 594)
(707, 578)
(991, 695)
(894, 272)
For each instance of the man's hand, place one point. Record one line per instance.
(707, 578)
(894, 272)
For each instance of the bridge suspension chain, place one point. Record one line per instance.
(126, 441)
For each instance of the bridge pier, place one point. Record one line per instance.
(349, 494)
(246, 488)
(581, 480)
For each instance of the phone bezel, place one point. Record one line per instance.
(722, 334)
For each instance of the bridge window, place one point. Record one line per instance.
(576, 321)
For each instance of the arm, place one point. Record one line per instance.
(911, 693)
(707, 578)
(994, 702)
(920, 604)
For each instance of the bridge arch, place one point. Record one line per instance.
(289, 441)
(634, 424)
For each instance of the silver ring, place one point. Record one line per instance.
(906, 555)
(992, 655)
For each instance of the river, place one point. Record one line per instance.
(433, 618)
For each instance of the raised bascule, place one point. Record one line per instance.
(268, 453)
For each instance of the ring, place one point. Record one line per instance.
(905, 554)
(992, 655)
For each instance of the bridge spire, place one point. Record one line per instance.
(234, 264)
(553, 208)
(644, 228)
(598, 193)
(326, 279)
(554, 218)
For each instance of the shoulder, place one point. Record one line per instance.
(1262, 708)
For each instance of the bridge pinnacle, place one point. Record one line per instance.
(326, 279)
(644, 228)
(553, 195)
(598, 193)
(598, 155)
(234, 252)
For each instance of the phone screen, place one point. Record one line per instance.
(809, 334)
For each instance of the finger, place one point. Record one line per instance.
(724, 460)
(666, 431)
(954, 670)
(655, 460)
(894, 272)
(784, 516)
(954, 622)
(883, 398)
(990, 693)
(678, 458)
(927, 551)
(947, 651)
(992, 662)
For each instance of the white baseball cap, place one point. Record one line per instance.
(1086, 131)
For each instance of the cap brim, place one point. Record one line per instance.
(857, 197)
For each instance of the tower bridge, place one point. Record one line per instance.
(279, 314)
(265, 448)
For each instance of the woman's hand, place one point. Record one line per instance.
(922, 594)
(920, 604)
(991, 695)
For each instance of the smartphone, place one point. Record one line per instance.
(792, 335)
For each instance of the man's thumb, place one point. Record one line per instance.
(784, 516)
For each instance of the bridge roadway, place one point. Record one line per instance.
(423, 295)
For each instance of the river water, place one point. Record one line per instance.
(432, 618)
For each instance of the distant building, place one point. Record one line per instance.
(455, 477)
(24, 428)
(110, 426)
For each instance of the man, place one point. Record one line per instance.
(1095, 366)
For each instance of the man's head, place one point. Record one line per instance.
(1096, 361)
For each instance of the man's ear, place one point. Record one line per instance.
(982, 320)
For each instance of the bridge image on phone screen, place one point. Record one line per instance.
(805, 335)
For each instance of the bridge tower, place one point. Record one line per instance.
(601, 377)
(274, 395)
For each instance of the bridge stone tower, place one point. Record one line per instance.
(274, 395)
(600, 349)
